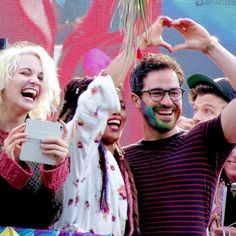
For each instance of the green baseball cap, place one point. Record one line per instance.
(222, 85)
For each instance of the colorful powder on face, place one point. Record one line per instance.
(157, 124)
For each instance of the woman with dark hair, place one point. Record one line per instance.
(74, 88)
(99, 194)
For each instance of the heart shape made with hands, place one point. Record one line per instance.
(195, 36)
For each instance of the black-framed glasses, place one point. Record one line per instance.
(158, 94)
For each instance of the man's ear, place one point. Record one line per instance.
(136, 100)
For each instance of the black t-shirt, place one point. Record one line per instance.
(230, 208)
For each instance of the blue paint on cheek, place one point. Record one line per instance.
(152, 120)
(149, 114)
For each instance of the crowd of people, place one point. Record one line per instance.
(165, 184)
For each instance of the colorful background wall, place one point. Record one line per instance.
(83, 36)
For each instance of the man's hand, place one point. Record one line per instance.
(185, 123)
(154, 37)
(196, 36)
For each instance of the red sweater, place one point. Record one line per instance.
(30, 194)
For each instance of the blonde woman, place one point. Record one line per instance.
(29, 88)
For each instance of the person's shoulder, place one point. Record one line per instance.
(207, 126)
(202, 131)
(132, 146)
(130, 151)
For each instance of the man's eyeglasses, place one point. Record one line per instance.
(158, 94)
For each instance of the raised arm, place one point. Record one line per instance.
(228, 121)
(116, 67)
(197, 38)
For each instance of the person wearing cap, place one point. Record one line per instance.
(214, 95)
(208, 98)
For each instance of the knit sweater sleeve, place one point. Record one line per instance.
(55, 177)
(15, 174)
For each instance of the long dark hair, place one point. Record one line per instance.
(72, 91)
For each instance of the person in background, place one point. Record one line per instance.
(30, 193)
(208, 98)
(99, 194)
(176, 172)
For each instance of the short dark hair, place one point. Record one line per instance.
(153, 62)
(202, 89)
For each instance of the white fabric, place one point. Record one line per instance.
(82, 189)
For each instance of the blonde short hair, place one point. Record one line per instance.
(9, 61)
